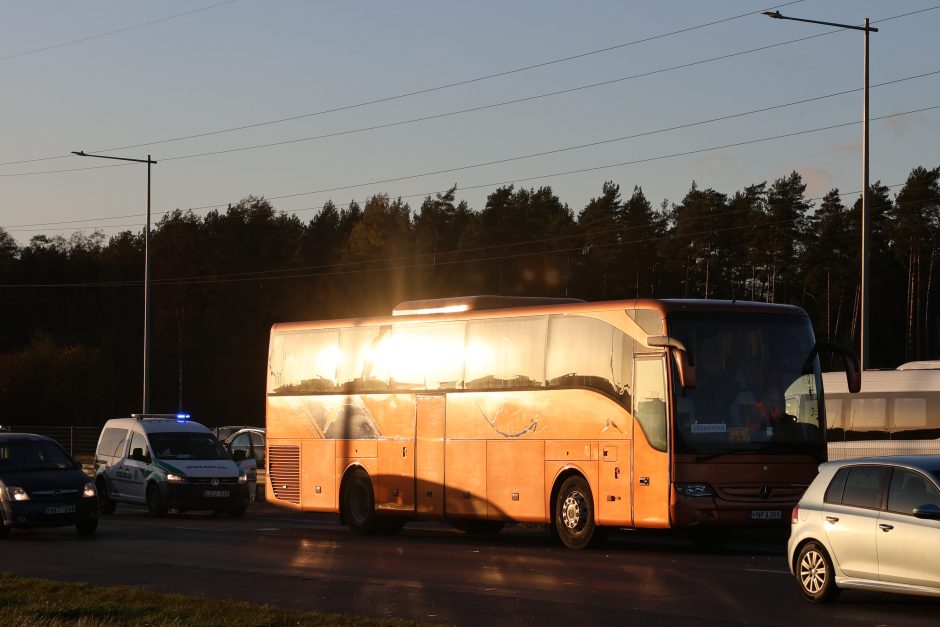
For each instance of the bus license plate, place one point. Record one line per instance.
(60, 509)
(215, 494)
(766, 514)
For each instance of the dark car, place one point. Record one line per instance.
(42, 486)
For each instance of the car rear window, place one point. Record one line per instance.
(864, 486)
(834, 491)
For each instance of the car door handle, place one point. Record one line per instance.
(832, 519)
(886, 528)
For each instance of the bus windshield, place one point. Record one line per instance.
(752, 393)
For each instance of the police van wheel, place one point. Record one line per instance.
(105, 504)
(155, 504)
(359, 503)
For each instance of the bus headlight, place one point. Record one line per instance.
(89, 490)
(174, 478)
(694, 489)
(16, 493)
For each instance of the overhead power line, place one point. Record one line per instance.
(588, 169)
(115, 32)
(489, 106)
(517, 70)
(447, 86)
(406, 94)
(15, 228)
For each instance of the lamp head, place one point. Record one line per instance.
(774, 14)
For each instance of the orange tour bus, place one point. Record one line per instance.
(696, 414)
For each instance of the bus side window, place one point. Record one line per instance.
(650, 398)
(506, 353)
(587, 352)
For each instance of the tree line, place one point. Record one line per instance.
(71, 325)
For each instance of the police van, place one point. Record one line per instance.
(166, 461)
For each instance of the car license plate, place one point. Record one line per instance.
(766, 514)
(215, 494)
(60, 509)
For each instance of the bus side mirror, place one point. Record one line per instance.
(684, 360)
(853, 371)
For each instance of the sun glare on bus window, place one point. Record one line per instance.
(327, 361)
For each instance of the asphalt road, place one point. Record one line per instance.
(433, 574)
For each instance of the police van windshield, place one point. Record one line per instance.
(752, 392)
(170, 445)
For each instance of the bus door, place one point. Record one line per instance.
(396, 457)
(429, 456)
(651, 477)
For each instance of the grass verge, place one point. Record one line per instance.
(26, 602)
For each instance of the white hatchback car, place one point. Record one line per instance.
(869, 524)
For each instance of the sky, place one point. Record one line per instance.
(410, 98)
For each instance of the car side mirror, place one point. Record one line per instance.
(240, 455)
(137, 455)
(927, 512)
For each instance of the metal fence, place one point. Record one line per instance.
(78, 441)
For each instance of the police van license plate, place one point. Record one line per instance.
(766, 514)
(60, 509)
(215, 494)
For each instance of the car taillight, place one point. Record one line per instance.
(795, 514)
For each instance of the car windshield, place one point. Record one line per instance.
(170, 445)
(26, 455)
(754, 391)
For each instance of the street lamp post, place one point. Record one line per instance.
(864, 317)
(149, 162)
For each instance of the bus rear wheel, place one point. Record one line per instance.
(573, 513)
(359, 503)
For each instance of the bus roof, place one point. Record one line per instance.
(921, 365)
(460, 308)
(880, 381)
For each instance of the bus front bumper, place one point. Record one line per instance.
(710, 511)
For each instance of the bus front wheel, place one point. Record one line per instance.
(573, 519)
(359, 503)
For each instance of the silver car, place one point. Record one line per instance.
(869, 524)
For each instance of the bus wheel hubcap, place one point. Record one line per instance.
(572, 511)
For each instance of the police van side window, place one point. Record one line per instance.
(112, 442)
(139, 450)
